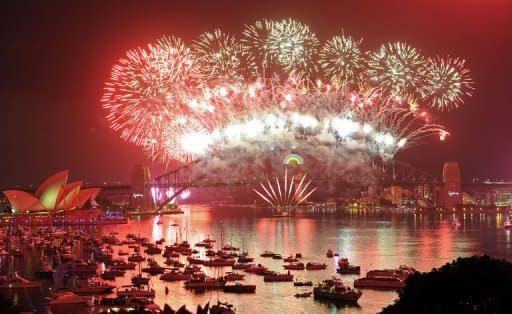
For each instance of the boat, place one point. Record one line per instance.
(303, 295)
(92, 287)
(154, 268)
(290, 259)
(135, 291)
(82, 268)
(294, 266)
(244, 258)
(385, 278)
(277, 256)
(329, 253)
(241, 266)
(220, 262)
(239, 288)
(231, 276)
(403, 271)
(229, 247)
(307, 283)
(277, 277)
(175, 276)
(222, 308)
(107, 275)
(207, 283)
(139, 279)
(151, 250)
(380, 282)
(315, 266)
(344, 267)
(267, 254)
(255, 268)
(136, 258)
(64, 302)
(335, 290)
(195, 260)
(122, 252)
(120, 264)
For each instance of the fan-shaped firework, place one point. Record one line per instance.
(448, 81)
(210, 104)
(341, 59)
(285, 198)
(219, 56)
(397, 68)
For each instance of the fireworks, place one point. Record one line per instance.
(219, 56)
(448, 81)
(285, 197)
(147, 87)
(396, 68)
(277, 90)
(341, 59)
(293, 46)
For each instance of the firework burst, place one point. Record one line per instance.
(448, 82)
(342, 60)
(396, 68)
(293, 46)
(147, 87)
(219, 55)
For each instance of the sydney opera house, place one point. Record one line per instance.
(54, 195)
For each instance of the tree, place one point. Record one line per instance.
(477, 284)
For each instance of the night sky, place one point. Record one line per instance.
(56, 55)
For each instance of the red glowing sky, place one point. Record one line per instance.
(56, 55)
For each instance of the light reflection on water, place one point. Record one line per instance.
(372, 239)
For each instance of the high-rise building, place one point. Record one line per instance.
(140, 198)
(451, 194)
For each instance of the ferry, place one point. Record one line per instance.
(380, 282)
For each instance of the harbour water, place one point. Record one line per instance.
(369, 238)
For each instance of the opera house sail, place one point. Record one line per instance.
(52, 196)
